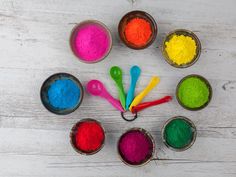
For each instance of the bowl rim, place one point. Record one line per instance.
(205, 81)
(74, 129)
(73, 34)
(192, 126)
(146, 134)
(152, 23)
(193, 36)
(48, 80)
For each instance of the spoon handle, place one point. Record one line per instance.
(114, 102)
(154, 81)
(121, 93)
(144, 105)
(134, 79)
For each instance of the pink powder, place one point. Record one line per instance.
(135, 147)
(92, 42)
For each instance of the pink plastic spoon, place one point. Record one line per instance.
(96, 88)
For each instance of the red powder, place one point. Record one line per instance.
(89, 136)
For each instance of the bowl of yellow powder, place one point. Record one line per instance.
(193, 92)
(181, 48)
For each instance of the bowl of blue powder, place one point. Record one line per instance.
(62, 93)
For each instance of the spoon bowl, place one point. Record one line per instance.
(95, 87)
(116, 73)
(135, 71)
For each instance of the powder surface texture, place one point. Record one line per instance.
(64, 94)
(92, 42)
(181, 49)
(178, 133)
(138, 31)
(193, 92)
(89, 136)
(135, 147)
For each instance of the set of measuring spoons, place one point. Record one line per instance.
(126, 102)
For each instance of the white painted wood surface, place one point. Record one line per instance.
(34, 44)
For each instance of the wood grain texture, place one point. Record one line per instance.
(34, 44)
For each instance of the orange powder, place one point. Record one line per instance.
(138, 31)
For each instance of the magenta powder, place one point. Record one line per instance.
(135, 147)
(92, 42)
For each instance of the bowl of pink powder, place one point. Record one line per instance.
(91, 41)
(136, 147)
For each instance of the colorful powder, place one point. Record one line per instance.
(64, 94)
(138, 31)
(181, 49)
(92, 42)
(178, 133)
(135, 147)
(193, 92)
(89, 136)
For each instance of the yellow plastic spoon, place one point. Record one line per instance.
(154, 81)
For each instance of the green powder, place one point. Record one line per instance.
(178, 133)
(193, 92)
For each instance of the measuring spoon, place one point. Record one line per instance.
(154, 81)
(144, 105)
(96, 88)
(116, 75)
(134, 73)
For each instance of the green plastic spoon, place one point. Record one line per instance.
(116, 75)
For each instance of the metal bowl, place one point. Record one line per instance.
(126, 19)
(74, 34)
(73, 132)
(205, 81)
(46, 86)
(193, 128)
(146, 134)
(185, 33)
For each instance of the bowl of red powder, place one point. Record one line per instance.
(87, 136)
(137, 29)
(136, 147)
(91, 41)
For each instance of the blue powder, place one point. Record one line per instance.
(64, 94)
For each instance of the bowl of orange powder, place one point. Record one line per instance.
(137, 29)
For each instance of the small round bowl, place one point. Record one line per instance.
(126, 19)
(74, 34)
(73, 133)
(193, 129)
(44, 93)
(205, 81)
(147, 134)
(185, 33)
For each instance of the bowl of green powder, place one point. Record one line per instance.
(179, 133)
(61, 93)
(193, 92)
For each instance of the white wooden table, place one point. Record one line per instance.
(34, 45)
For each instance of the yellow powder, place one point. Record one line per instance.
(181, 49)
